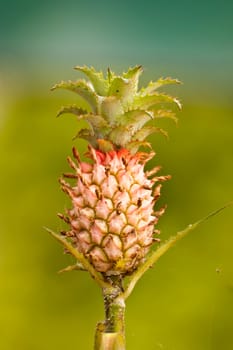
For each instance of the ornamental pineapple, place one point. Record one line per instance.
(112, 218)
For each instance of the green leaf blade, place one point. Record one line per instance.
(148, 101)
(154, 256)
(154, 85)
(81, 88)
(71, 109)
(100, 84)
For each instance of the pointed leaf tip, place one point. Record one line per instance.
(80, 257)
(72, 109)
(133, 72)
(178, 103)
(77, 266)
(164, 113)
(149, 100)
(97, 79)
(154, 85)
(154, 256)
(82, 88)
(88, 135)
(133, 146)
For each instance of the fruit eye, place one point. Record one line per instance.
(139, 202)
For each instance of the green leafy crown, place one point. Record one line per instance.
(116, 110)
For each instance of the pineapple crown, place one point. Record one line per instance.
(116, 110)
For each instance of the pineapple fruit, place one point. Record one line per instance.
(112, 218)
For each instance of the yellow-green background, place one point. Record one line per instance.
(186, 301)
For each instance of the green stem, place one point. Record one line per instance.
(110, 335)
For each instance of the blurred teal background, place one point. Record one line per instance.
(186, 301)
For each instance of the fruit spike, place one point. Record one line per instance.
(112, 218)
(116, 110)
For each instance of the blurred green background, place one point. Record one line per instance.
(186, 301)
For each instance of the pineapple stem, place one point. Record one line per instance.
(110, 334)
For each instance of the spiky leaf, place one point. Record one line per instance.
(155, 255)
(120, 136)
(163, 113)
(147, 101)
(116, 111)
(98, 123)
(133, 146)
(88, 135)
(110, 76)
(123, 89)
(133, 75)
(153, 85)
(82, 88)
(133, 120)
(142, 134)
(73, 109)
(97, 79)
(110, 107)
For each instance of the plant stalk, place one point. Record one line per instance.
(110, 334)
